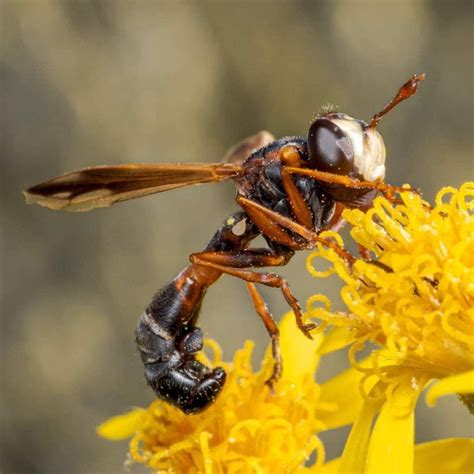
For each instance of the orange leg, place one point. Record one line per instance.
(290, 156)
(281, 222)
(272, 329)
(245, 258)
(268, 279)
(364, 252)
(268, 226)
(387, 190)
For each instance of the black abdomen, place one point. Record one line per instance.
(167, 337)
(168, 342)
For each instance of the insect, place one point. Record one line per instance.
(289, 191)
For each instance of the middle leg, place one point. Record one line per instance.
(232, 264)
(272, 330)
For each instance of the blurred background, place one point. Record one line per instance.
(103, 82)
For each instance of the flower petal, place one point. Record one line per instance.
(353, 457)
(336, 339)
(445, 456)
(391, 448)
(121, 426)
(459, 383)
(300, 354)
(342, 396)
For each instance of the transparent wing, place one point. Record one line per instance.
(102, 186)
(242, 150)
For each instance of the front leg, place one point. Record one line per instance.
(289, 155)
(274, 226)
(387, 190)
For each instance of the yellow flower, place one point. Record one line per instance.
(415, 301)
(249, 428)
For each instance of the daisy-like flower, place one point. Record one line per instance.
(415, 301)
(249, 429)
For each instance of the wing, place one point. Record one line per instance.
(242, 150)
(102, 186)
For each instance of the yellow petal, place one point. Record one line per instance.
(336, 339)
(121, 426)
(445, 456)
(300, 354)
(391, 448)
(342, 397)
(460, 383)
(353, 457)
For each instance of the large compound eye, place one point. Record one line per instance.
(330, 149)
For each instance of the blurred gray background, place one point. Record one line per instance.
(102, 82)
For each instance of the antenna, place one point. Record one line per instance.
(406, 91)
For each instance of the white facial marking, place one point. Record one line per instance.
(373, 165)
(353, 130)
(368, 146)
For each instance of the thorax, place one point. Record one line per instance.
(261, 182)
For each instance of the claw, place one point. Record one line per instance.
(307, 328)
(276, 374)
